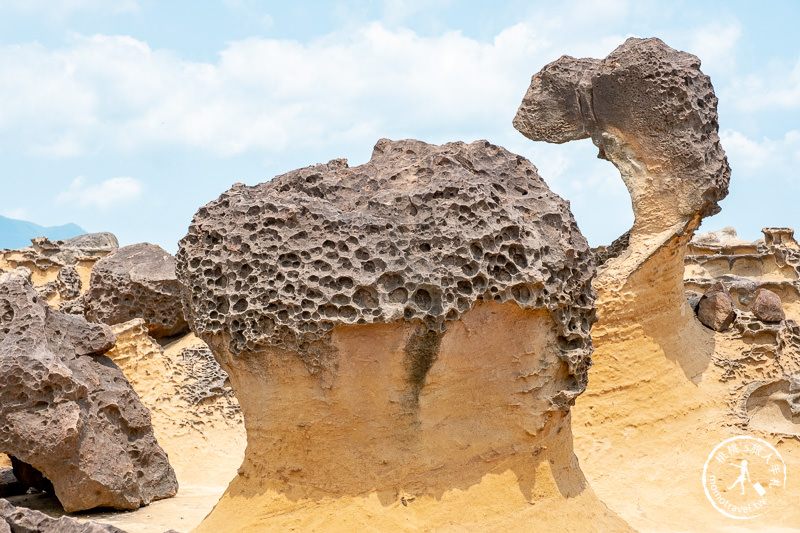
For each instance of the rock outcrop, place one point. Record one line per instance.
(195, 416)
(21, 520)
(405, 338)
(771, 263)
(60, 270)
(182, 385)
(137, 281)
(67, 411)
(656, 402)
(760, 357)
(652, 113)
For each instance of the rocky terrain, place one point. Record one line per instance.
(656, 404)
(424, 342)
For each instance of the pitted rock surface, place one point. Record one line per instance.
(137, 281)
(204, 380)
(22, 520)
(60, 269)
(68, 411)
(652, 112)
(419, 233)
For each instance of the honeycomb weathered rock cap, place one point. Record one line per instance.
(650, 110)
(418, 233)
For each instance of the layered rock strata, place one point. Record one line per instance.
(761, 362)
(60, 270)
(68, 412)
(405, 339)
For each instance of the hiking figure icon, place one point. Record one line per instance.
(744, 474)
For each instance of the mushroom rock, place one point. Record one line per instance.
(137, 281)
(405, 339)
(68, 413)
(661, 399)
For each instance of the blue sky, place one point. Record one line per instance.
(128, 115)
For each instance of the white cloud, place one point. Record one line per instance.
(104, 195)
(114, 92)
(715, 44)
(767, 157)
(777, 87)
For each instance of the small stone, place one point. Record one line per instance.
(715, 309)
(767, 306)
(20, 519)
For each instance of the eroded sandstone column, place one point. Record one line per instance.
(405, 339)
(652, 113)
(659, 396)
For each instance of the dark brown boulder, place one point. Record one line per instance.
(767, 306)
(21, 520)
(68, 412)
(715, 308)
(137, 281)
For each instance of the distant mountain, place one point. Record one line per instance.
(18, 233)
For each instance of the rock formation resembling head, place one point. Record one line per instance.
(395, 332)
(663, 384)
(650, 111)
